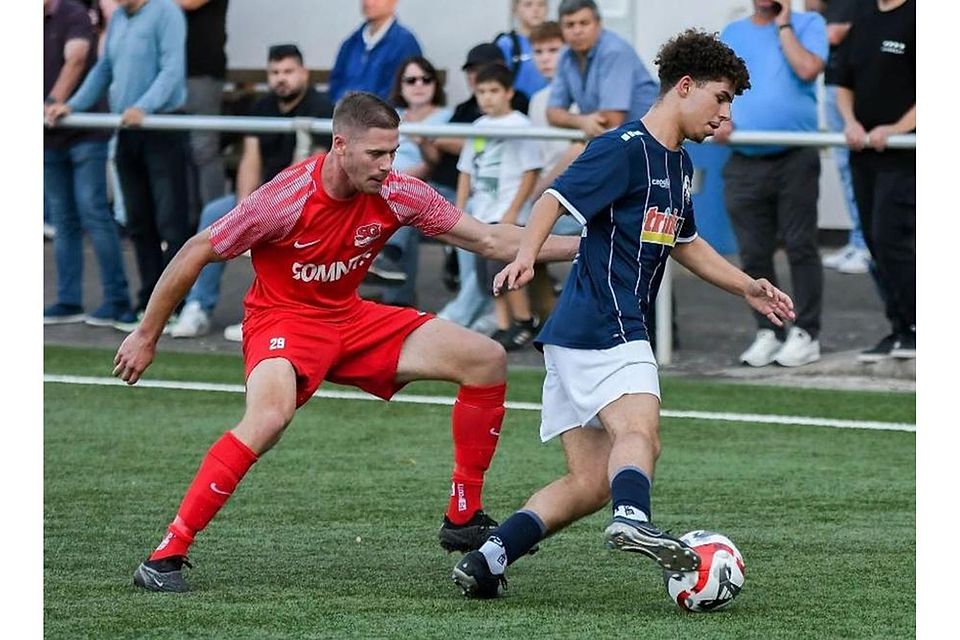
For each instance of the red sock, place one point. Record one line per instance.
(221, 470)
(477, 416)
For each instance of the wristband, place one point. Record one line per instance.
(789, 25)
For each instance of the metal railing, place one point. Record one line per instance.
(322, 125)
(304, 127)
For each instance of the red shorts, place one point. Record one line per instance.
(361, 351)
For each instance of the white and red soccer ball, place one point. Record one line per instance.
(718, 580)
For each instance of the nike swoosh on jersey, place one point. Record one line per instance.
(303, 245)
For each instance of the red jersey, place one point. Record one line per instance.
(311, 252)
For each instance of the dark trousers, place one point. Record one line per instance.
(152, 167)
(885, 186)
(773, 200)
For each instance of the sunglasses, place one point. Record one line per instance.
(412, 80)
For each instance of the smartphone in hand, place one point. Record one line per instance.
(777, 8)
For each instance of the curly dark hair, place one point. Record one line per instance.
(703, 57)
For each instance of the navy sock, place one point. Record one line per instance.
(630, 488)
(514, 538)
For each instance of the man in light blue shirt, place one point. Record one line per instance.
(143, 71)
(599, 72)
(771, 192)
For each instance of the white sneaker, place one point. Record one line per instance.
(761, 353)
(234, 333)
(798, 349)
(193, 322)
(856, 262)
(834, 260)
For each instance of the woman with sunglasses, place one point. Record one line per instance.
(419, 98)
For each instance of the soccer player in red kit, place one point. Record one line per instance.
(312, 232)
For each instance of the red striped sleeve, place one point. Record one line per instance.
(416, 203)
(266, 215)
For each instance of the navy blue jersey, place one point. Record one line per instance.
(634, 197)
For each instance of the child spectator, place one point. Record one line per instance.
(470, 308)
(497, 175)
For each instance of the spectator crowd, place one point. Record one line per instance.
(136, 58)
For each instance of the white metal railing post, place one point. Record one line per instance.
(664, 311)
(302, 127)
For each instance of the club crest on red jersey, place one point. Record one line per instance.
(660, 227)
(366, 234)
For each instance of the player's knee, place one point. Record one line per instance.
(262, 428)
(641, 433)
(277, 417)
(487, 364)
(496, 358)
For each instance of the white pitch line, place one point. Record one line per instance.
(523, 406)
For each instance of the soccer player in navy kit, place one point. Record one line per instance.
(631, 188)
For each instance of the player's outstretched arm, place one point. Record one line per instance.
(520, 271)
(701, 259)
(501, 241)
(137, 350)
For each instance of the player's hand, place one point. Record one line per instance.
(133, 357)
(877, 138)
(132, 117)
(593, 124)
(55, 111)
(770, 301)
(514, 276)
(855, 135)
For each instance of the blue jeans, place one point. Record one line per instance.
(75, 189)
(471, 301)
(206, 290)
(842, 156)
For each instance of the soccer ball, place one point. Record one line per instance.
(718, 580)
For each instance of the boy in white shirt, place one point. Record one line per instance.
(497, 176)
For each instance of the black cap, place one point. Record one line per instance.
(483, 54)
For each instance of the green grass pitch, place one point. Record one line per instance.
(333, 533)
